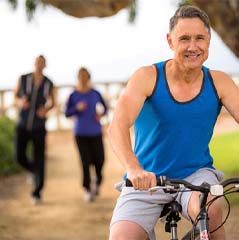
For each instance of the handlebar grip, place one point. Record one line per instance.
(128, 183)
(160, 181)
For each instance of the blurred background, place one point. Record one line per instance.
(111, 47)
(71, 34)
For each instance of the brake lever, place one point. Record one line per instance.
(166, 189)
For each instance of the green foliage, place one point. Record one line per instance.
(7, 164)
(132, 11)
(30, 6)
(13, 3)
(225, 151)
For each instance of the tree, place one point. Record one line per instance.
(223, 14)
(82, 8)
(224, 18)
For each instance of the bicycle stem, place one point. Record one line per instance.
(203, 217)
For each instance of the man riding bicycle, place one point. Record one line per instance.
(174, 106)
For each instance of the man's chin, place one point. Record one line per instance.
(193, 64)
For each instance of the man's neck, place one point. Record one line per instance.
(37, 77)
(179, 73)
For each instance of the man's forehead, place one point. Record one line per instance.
(40, 59)
(190, 25)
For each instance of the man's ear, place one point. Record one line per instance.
(170, 42)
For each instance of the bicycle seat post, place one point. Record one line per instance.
(173, 226)
(171, 211)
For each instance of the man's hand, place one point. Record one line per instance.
(23, 103)
(41, 112)
(141, 179)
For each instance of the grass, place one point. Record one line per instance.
(225, 151)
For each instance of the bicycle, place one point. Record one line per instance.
(171, 211)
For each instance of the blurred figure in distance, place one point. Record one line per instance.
(82, 104)
(34, 95)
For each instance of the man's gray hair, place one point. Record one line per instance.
(189, 11)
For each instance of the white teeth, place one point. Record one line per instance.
(193, 56)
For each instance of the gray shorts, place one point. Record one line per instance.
(144, 209)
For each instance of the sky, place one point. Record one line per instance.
(111, 48)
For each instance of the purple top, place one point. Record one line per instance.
(86, 123)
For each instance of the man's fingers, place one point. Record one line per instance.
(153, 181)
(144, 182)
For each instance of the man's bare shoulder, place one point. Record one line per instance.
(146, 72)
(220, 74)
(220, 77)
(223, 82)
(144, 79)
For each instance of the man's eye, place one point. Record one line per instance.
(184, 39)
(200, 37)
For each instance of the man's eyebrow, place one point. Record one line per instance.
(201, 35)
(189, 36)
(184, 36)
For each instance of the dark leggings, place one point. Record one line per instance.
(36, 163)
(91, 152)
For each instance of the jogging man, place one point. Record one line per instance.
(34, 97)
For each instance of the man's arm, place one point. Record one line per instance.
(51, 101)
(228, 93)
(139, 87)
(21, 100)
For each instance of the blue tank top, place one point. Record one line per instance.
(171, 137)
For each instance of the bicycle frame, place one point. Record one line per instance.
(173, 217)
(203, 218)
(172, 209)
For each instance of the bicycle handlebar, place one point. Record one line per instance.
(175, 184)
(230, 181)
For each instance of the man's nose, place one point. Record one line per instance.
(192, 45)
